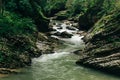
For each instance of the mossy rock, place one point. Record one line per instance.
(102, 49)
(62, 15)
(42, 37)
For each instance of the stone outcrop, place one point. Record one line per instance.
(91, 16)
(18, 51)
(102, 49)
(63, 34)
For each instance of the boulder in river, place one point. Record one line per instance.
(59, 28)
(63, 34)
(70, 28)
(59, 25)
(52, 29)
(67, 22)
(66, 35)
(75, 25)
(77, 52)
(57, 34)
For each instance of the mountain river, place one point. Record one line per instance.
(61, 64)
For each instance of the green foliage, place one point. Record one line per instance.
(1, 56)
(107, 28)
(96, 11)
(22, 7)
(11, 24)
(4, 58)
(75, 8)
(53, 6)
(17, 36)
(18, 30)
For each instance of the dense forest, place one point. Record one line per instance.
(25, 23)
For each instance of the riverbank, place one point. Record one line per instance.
(43, 45)
(52, 66)
(102, 49)
(19, 34)
(25, 36)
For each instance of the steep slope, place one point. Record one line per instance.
(102, 49)
(19, 33)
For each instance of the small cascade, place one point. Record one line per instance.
(48, 57)
(74, 42)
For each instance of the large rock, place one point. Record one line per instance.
(52, 29)
(17, 53)
(66, 35)
(59, 25)
(45, 47)
(71, 28)
(8, 71)
(59, 28)
(63, 34)
(57, 34)
(62, 15)
(42, 37)
(102, 49)
(91, 16)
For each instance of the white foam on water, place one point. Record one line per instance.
(76, 39)
(64, 28)
(48, 57)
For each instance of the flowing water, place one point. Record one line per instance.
(61, 64)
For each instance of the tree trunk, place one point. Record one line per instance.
(1, 6)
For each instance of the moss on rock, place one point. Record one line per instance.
(102, 49)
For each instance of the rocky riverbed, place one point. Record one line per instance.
(60, 65)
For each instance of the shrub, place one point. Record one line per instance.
(12, 24)
(54, 6)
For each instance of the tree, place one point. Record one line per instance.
(91, 16)
(0, 6)
(40, 20)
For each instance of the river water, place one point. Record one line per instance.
(61, 64)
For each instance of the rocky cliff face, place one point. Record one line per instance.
(102, 49)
